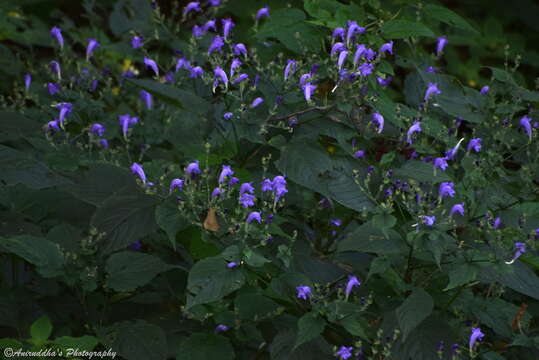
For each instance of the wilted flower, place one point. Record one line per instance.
(304, 292)
(387, 47)
(92, 45)
(220, 328)
(447, 189)
(475, 335)
(525, 123)
(450, 154)
(254, 216)
(256, 102)
(55, 68)
(520, 249)
(416, 127)
(264, 12)
(352, 281)
(432, 89)
(428, 220)
(379, 120)
(97, 129)
(474, 144)
(457, 208)
(193, 169)
(147, 98)
(225, 172)
(57, 33)
(192, 6)
(137, 170)
(442, 42)
(176, 184)
(484, 90)
(136, 42)
(344, 352)
(151, 64)
(228, 24)
(240, 49)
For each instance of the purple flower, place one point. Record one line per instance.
(232, 265)
(416, 127)
(147, 98)
(65, 110)
(198, 31)
(240, 49)
(53, 125)
(256, 102)
(360, 50)
(431, 69)
(279, 187)
(193, 169)
(360, 154)
(338, 32)
(262, 12)
(428, 220)
(352, 281)
(497, 223)
(210, 24)
(247, 200)
(136, 42)
(457, 208)
(289, 69)
(216, 192)
(137, 170)
(342, 58)
(308, 90)
(225, 172)
(476, 335)
(228, 116)
(221, 328)
(125, 122)
(240, 78)
(104, 143)
(442, 42)
(440, 163)
(335, 222)
(92, 45)
(136, 246)
(246, 188)
(304, 292)
(365, 69)
(387, 47)
(450, 154)
(192, 6)
(384, 82)
(97, 129)
(236, 63)
(525, 123)
(196, 72)
(520, 249)
(182, 63)
(93, 85)
(176, 184)
(484, 90)
(228, 24)
(432, 89)
(220, 75)
(447, 189)
(27, 81)
(151, 64)
(55, 68)
(379, 120)
(233, 181)
(369, 54)
(57, 33)
(353, 28)
(474, 144)
(215, 2)
(337, 48)
(53, 88)
(255, 215)
(344, 352)
(216, 45)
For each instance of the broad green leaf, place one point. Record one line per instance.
(128, 270)
(517, 276)
(254, 306)
(384, 221)
(310, 326)
(200, 346)
(369, 238)
(40, 252)
(449, 17)
(461, 274)
(168, 218)
(41, 330)
(416, 308)
(502, 75)
(125, 218)
(422, 172)
(400, 29)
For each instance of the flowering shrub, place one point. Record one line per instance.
(299, 183)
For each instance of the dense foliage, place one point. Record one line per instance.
(229, 180)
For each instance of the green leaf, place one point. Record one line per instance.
(125, 218)
(254, 306)
(19, 168)
(40, 330)
(461, 274)
(168, 218)
(40, 252)
(384, 221)
(422, 172)
(85, 342)
(128, 270)
(400, 29)
(369, 238)
(201, 346)
(416, 308)
(310, 326)
(449, 17)
(378, 266)
(502, 75)
(517, 276)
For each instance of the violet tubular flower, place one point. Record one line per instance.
(136, 42)
(228, 115)
(525, 123)
(446, 189)
(360, 154)
(256, 102)
(147, 98)
(137, 170)
(236, 63)
(474, 337)
(220, 328)
(338, 33)
(196, 72)
(228, 24)
(92, 45)
(125, 122)
(152, 65)
(176, 184)
(216, 192)
(55, 68)
(442, 42)
(247, 200)
(474, 144)
(360, 50)
(428, 220)
(303, 292)
(352, 282)
(416, 127)
(337, 48)
(344, 352)
(65, 110)
(225, 173)
(97, 129)
(182, 63)
(485, 90)
(379, 120)
(457, 209)
(210, 24)
(27, 81)
(192, 6)
(520, 249)
(387, 47)
(240, 49)
(353, 29)
(432, 89)
(254, 216)
(57, 33)
(246, 188)
(308, 90)
(264, 12)
(193, 169)
(440, 163)
(220, 75)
